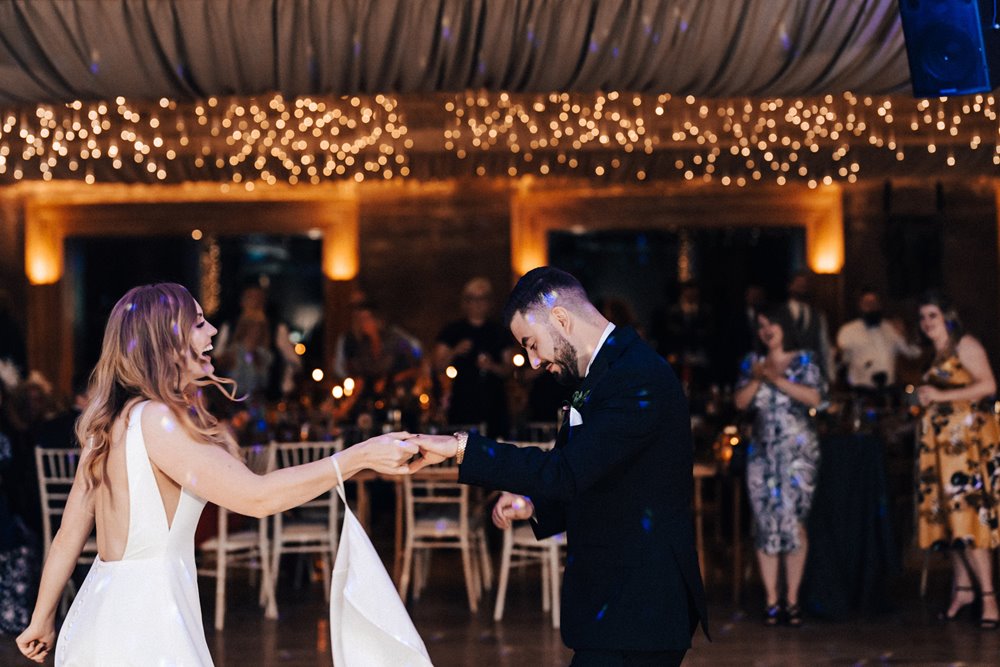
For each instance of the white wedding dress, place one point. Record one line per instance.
(143, 609)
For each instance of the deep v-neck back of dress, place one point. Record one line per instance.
(142, 609)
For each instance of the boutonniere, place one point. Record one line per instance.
(579, 398)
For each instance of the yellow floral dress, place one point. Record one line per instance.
(959, 473)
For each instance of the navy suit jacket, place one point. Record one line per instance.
(621, 486)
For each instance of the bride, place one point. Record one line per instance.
(154, 456)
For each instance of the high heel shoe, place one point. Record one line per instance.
(772, 615)
(793, 616)
(988, 623)
(943, 615)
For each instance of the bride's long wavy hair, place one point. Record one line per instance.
(146, 347)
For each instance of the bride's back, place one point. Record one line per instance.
(112, 512)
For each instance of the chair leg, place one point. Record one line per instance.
(546, 593)
(275, 567)
(264, 557)
(220, 587)
(484, 558)
(470, 580)
(267, 596)
(404, 579)
(508, 546)
(924, 569)
(554, 575)
(326, 576)
(421, 571)
(477, 574)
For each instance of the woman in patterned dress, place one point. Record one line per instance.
(959, 479)
(781, 383)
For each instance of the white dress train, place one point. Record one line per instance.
(143, 609)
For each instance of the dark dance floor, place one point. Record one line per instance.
(910, 635)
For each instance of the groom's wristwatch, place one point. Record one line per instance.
(463, 439)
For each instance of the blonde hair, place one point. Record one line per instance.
(146, 347)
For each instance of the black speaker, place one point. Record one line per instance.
(953, 46)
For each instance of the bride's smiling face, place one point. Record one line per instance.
(199, 364)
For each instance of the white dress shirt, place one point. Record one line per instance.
(870, 350)
(575, 419)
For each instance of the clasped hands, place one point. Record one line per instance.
(402, 453)
(425, 450)
(765, 372)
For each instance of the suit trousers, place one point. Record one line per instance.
(627, 658)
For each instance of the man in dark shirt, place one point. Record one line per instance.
(479, 350)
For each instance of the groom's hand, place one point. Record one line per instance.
(433, 449)
(511, 507)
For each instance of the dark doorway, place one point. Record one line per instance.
(641, 267)
(639, 273)
(104, 268)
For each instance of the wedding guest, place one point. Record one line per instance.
(248, 357)
(59, 430)
(870, 345)
(781, 382)
(18, 547)
(32, 405)
(152, 456)
(618, 481)
(13, 351)
(269, 365)
(810, 323)
(384, 361)
(739, 333)
(958, 483)
(479, 350)
(684, 337)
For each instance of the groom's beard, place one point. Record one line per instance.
(567, 369)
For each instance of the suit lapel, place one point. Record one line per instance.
(613, 347)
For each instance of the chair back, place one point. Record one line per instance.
(261, 459)
(290, 454)
(436, 493)
(56, 472)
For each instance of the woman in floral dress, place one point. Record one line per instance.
(781, 383)
(959, 479)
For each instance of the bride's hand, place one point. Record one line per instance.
(433, 449)
(389, 453)
(36, 641)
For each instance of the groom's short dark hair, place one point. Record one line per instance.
(543, 287)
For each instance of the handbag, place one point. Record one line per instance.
(369, 626)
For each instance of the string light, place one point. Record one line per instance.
(239, 140)
(730, 141)
(247, 143)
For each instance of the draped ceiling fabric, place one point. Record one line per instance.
(64, 50)
(266, 91)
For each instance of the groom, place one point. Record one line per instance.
(618, 481)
